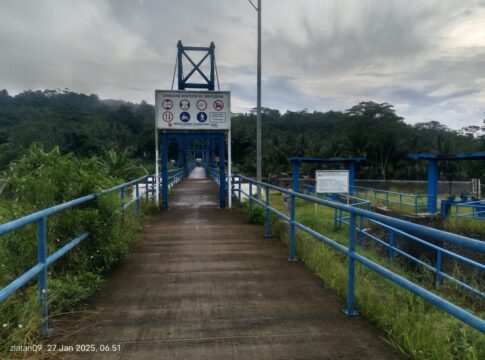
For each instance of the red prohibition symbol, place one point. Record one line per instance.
(218, 105)
(184, 104)
(167, 104)
(201, 105)
(167, 116)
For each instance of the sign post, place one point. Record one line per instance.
(156, 181)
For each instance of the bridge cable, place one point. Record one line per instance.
(174, 71)
(217, 75)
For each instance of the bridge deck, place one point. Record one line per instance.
(203, 284)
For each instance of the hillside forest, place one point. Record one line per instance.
(89, 127)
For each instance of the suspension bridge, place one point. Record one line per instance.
(203, 283)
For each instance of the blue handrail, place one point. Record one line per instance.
(40, 217)
(394, 227)
(214, 174)
(471, 210)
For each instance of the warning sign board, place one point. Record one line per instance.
(332, 181)
(193, 110)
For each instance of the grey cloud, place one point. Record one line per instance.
(417, 97)
(318, 55)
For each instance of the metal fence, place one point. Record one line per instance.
(471, 210)
(416, 203)
(339, 216)
(44, 260)
(393, 228)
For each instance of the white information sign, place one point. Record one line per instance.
(193, 110)
(332, 181)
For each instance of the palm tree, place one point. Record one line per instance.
(120, 165)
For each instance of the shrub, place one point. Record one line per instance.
(42, 179)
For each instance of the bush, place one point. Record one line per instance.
(42, 179)
(257, 214)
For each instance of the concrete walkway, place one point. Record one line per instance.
(203, 284)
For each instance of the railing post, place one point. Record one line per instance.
(390, 250)
(239, 192)
(387, 200)
(350, 310)
(437, 278)
(400, 200)
(122, 198)
(335, 218)
(42, 259)
(415, 205)
(292, 256)
(146, 188)
(250, 199)
(137, 194)
(361, 230)
(267, 228)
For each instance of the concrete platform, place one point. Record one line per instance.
(203, 284)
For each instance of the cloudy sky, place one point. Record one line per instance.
(426, 57)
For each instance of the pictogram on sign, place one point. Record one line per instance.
(201, 105)
(185, 117)
(218, 105)
(184, 104)
(202, 117)
(167, 104)
(167, 116)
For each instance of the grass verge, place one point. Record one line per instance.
(411, 324)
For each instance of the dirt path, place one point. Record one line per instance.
(206, 285)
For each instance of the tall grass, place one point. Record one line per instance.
(467, 226)
(411, 324)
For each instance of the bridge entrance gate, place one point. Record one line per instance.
(199, 122)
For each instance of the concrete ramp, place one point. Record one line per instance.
(194, 192)
(203, 284)
(198, 173)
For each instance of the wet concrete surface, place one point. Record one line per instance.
(197, 173)
(203, 284)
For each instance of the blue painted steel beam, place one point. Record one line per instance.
(296, 175)
(222, 173)
(20, 281)
(477, 155)
(209, 79)
(351, 166)
(433, 171)
(303, 159)
(433, 175)
(164, 152)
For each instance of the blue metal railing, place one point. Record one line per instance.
(394, 227)
(174, 177)
(214, 174)
(471, 210)
(410, 201)
(43, 259)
